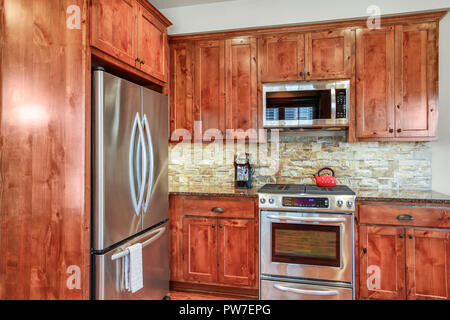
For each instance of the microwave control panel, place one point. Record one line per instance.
(341, 104)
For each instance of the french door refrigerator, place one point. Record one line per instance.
(130, 187)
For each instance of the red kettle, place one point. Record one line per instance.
(325, 181)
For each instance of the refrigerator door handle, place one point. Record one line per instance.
(158, 235)
(152, 162)
(137, 203)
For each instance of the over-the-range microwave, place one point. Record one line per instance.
(309, 104)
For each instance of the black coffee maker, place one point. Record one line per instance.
(243, 171)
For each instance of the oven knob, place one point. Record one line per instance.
(271, 201)
(349, 204)
(262, 200)
(340, 203)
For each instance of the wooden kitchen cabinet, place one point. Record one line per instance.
(282, 57)
(114, 28)
(200, 249)
(214, 244)
(307, 56)
(397, 83)
(416, 80)
(181, 91)
(428, 264)
(209, 88)
(152, 45)
(132, 32)
(329, 54)
(375, 83)
(241, 88)
(382, 263)
(403, 251)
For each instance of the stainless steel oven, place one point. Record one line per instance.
(307, 245)
(306, 242)
(306, 104)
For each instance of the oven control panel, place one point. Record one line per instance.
(302, 202)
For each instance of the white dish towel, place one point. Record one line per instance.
(136, 277)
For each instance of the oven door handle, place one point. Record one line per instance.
(306, 292)
(306, 219)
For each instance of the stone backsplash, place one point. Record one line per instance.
(296, 158)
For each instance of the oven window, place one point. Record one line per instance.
(298, 105)
(306, 244)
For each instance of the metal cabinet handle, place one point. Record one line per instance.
(365, 251)
(218, 210)
(401, 235)
(143, 62)
(301, 74)
(309, 73)
(213, 226)
(306, 292)
(406, 217)
(138, 60)
(411, 236)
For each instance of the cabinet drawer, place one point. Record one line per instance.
(219, 208)
(405, 216)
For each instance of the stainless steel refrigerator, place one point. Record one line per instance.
(130, 186)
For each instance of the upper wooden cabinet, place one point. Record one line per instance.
(152, 45)
(397, 82)
(329, 54)
(241, 88)
(375, 83)
(307, 56)
(181, 91)
(209, 88)
(282, 57)
(134, 33)
(113, 28)
(416, 80)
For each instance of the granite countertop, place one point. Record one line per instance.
(362, 194)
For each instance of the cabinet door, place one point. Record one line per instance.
(113, 28)
(152, 45)
(181, 89)
(200, 249)
(236, 250)
(209, 88)
(382, 263)
(428, 264)
(416, 80)
(282, 57)
(375, 83)
(241, 87)
(329, 54)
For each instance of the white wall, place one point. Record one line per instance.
(256, 13)
(441, 148)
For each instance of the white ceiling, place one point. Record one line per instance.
(165, 4)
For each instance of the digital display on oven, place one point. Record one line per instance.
(305, 202)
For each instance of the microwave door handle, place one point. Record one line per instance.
(306, 292)
(306, 219)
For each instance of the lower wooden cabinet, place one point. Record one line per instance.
(214, 242)
(405, 261)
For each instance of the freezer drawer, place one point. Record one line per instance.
(155, 259)
(277, 290)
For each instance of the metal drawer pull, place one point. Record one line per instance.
(306, 292)
(145, 244)
(405, 217)
(218, 210)
(306, 219)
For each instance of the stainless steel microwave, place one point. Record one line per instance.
(306, 104)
